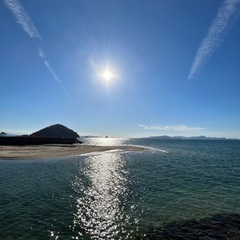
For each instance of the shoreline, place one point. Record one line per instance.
(55, 150)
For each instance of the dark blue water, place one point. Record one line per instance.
(119, 194)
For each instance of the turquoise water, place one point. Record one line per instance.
(118, 194)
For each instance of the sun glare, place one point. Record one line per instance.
(107, 75)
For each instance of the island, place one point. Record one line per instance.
(51, 142)
(54, 134)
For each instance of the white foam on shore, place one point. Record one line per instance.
(117, 150)
(150, 148)
(120, 150)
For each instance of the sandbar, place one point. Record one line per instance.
(56, 150)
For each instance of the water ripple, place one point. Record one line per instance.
(101, 197)
(118, 194)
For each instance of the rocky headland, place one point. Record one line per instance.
(55, 134)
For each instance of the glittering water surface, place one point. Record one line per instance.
(115, 195)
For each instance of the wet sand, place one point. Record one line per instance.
(56, 150)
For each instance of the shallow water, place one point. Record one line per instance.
(119, 194)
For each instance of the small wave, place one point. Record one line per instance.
(157, 149)
(150, 148)
(97, 153)
(121, 150)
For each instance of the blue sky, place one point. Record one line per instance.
(174, 66)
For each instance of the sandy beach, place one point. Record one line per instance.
(56, 150)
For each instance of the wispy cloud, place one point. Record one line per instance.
(28, 26)
(48, 66)
(23, 18)
(215, 35)
(175, 128)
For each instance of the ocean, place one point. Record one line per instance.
(119, 194)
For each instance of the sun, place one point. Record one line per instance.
(107, 75)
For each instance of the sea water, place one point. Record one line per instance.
(117, 194)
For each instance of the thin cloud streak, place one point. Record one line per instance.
(42, 55)
(176, 128)
(28, 26)
(215, 35)
(23, 18)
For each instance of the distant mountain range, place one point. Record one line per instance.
(196, 138)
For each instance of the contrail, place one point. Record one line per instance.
(217, 32)
(23, 18)
(48, 66)
(28, 26)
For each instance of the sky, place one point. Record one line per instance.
(121, 68)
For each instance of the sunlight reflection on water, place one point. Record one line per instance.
(101, 199)
(104, 141)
